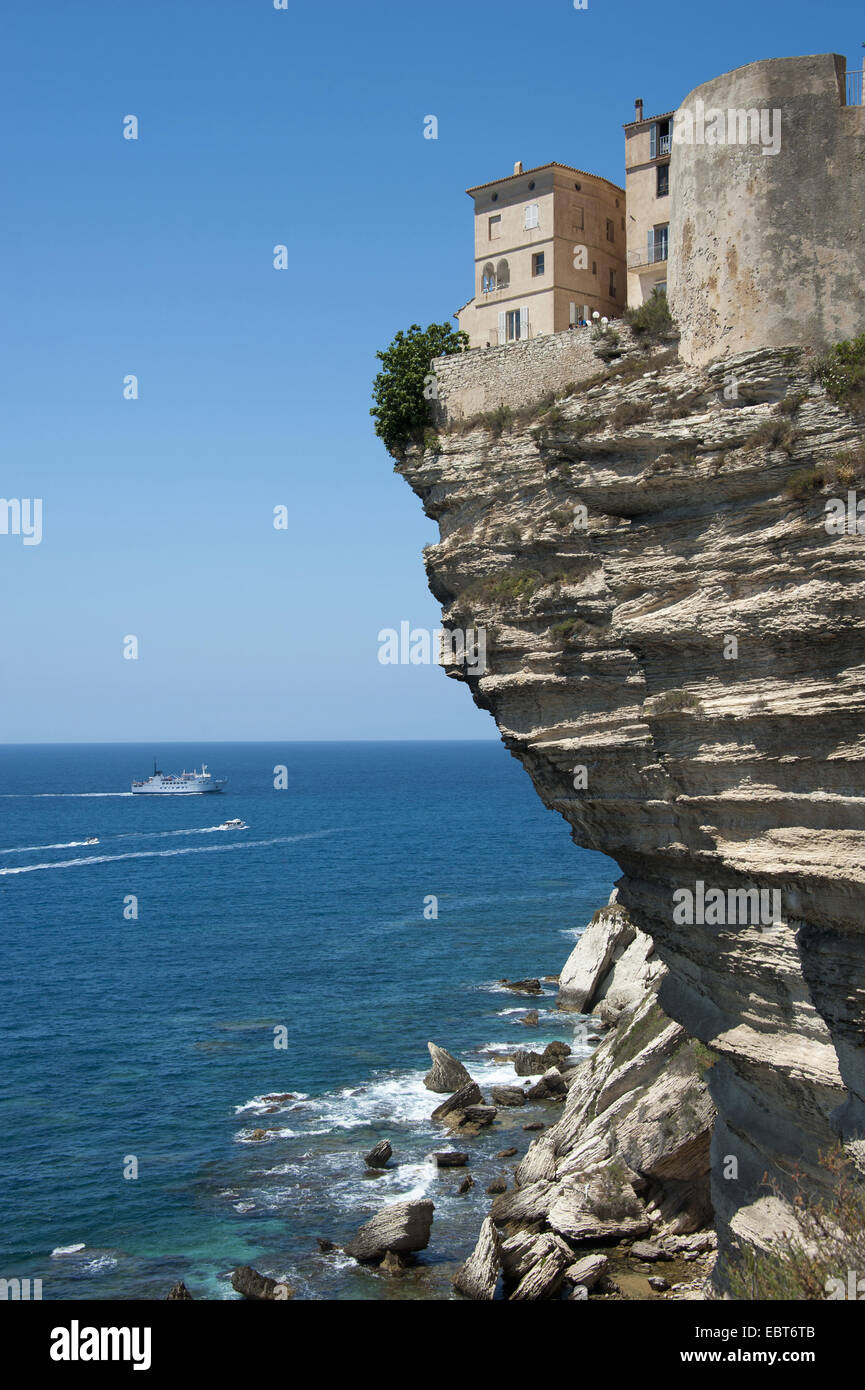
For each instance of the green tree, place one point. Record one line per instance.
(404, 387)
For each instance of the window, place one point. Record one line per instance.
(488, 278)
(579, 219)
(612, 284)
(503, 275)
(531, 215)
(594, 267)
(663, 180)
(658, 240)
(660, 139)
(495, 227)
(538, 263)
(516, 324)
(611, 229)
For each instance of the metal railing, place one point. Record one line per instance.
(854, 88)
(658, 251)
(665, 144)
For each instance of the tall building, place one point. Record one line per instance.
(648, 146)
(549, 251)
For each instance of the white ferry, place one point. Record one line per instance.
(178, 784)
(234, 825)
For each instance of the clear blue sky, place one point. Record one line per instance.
(154, 257)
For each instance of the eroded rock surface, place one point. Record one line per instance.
(610, 550)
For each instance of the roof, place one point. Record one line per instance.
(538, 168)
(647, 120)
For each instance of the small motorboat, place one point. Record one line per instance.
(91, 840)
(234, 825)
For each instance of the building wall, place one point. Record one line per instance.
(768, 248)
(516, 375)
(562, 207)
(645, 210)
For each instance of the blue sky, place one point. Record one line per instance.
(155, 257)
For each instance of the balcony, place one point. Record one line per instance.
(665, 144)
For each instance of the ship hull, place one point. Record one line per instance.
(175, 791)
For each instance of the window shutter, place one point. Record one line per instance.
(572, 313)
(531, 215)
(524, 323)
(502, 329)
(653, 142)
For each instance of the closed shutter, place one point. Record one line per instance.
(502, 329)
(524, 323)
(572, 313)
(531, 215)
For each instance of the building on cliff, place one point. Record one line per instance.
(767, 208)
(549, 251)
(648, 145)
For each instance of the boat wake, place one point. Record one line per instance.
(221, 848)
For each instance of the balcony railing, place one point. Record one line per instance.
(665, 144)
(854, 88)
(657, 252)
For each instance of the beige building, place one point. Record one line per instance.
(549, 251)
(648, 146)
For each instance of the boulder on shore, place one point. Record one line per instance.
(588, 1270)
(178, 1291)
(551, 1084)
(532, 986)
(251, 1284)
(508, 1095)
(379, 1155)
(477, 1278)
(466, 1095)
(403, 1227)
(530, 1020)
(480, 1114)
(450, 1158)
(528, 1063)
(446, 1074)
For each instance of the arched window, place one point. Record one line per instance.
(488, 278)
(503, 275)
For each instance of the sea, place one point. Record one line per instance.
(159, 986)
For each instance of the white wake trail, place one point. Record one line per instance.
(168, 853)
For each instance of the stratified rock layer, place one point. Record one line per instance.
(611, 551)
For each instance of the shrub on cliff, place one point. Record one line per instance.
(819, 1260)
(842, 373)
(652, 320)
(403, 389)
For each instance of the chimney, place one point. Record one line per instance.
(638, 109)
(518, 167)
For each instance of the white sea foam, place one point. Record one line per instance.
(101, 1262)
(169, 853)
(27, 849)
(259, 1106)
(401, 1099)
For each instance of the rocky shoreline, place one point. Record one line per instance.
(611, 1198)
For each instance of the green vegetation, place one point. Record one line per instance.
(802, 485)
(848, 467)
(792, 403)
(670, 701)
(814, 1263)
(704, 1057)
(652, 320)
(402, 390)
(631, 413)
(638, 1034)
(431, 441)
(773, 434)
(841, 372)
(572, 628)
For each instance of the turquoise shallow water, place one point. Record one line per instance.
(153, 1038)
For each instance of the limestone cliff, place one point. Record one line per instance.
(612, 547)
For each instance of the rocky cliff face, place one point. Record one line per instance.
(675, 653)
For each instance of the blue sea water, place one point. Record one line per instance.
(148, 1043)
